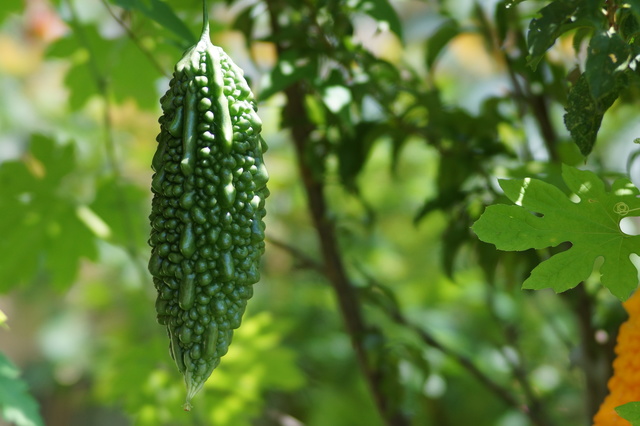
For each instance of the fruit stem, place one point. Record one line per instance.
(205, 20)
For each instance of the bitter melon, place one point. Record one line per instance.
(209, 191)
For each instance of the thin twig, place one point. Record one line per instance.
(394, 313)
(500, 391)
(134, 38)
(518, 367)
(591, 360)
(111, 155)
(553, 325)
(304, 260)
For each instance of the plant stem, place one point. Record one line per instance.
(333, 265)
(506, 395)
(205, 20)
(349, 305)
(536, 409)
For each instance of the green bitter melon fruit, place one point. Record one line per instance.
(209, 190)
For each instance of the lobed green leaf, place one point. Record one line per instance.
(545, 217)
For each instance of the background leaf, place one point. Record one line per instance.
(584, 114)
(291, 68)
(384, 14)
(439, 39)
(113, 57)
(608, 56)
(9, 7)
(16, 404)
(43, 233)
(162, 13)
(558, 17)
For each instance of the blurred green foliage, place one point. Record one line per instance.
(413, 110)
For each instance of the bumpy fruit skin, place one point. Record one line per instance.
(209, 192)
(624, 385)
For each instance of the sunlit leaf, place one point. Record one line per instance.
(592, 226)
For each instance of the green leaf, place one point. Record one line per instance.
(544, 31)
(631, 412)
(128, 85)
(555, 19)
(628, 26)
(634, 5)
(607, 60)
(112, 60)
(584, 113)
(244, 23)
(163, 14)
(8, 7)
(291, 68)
(608, 55)
(42, 234)
(439, 39)
(453, 238)
(17, 406)
(353, 150)
(592, 226)
(384, 14)
(127, 228)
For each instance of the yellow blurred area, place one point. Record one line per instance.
(17, 57)
(383, 44)
(264, 53)
(470, 51)
(21, 51)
